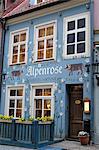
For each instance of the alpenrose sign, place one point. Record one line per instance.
(37, 71)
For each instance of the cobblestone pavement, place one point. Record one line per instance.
(65, 145)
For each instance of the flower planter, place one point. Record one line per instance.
(84, 140)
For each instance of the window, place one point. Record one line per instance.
(18, 47)
(76, 37)
(15, 102)
(45, 43)
(39, 1)
(43, 101)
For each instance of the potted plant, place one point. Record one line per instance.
(83, 137)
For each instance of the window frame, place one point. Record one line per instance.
(33, 97)
(36, 29)
(8, 97)
(87, 34)
(11, 43)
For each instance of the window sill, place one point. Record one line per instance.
(41, 61)
(17, 64)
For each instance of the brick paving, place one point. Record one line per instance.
(65, 145)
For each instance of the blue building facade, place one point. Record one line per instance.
(45, 58)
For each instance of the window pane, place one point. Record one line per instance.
(49, 31)
(47, 113)
(41, 44)
(81, 48)
(38, 104)
(38, 113)
(20, 92)
(47, 92)
(22, 57)
(18, 112)
(81, 23)
(71, 38)
(71, 25)
(22, 48)
(19, 103)
(41, 32)
(15, 49)
(14, 60)
(41, 54)
(38, 92)
(70, 49)
(49, 53)
(12, 103)
(12, 92)
(47, 104)
(80, 36)
(39, 1)
(16, 38)
(11, 112)
(49, 43)
(23, 37)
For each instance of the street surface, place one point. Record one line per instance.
(65, 145)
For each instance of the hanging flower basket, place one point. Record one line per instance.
(83, 137)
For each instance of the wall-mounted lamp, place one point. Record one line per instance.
(86, 105)
(95, 64)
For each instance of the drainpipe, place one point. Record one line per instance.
(3, 23)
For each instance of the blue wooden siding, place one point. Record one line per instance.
(61, 122)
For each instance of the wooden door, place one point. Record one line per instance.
(75, 93)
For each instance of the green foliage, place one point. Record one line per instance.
(43, 119)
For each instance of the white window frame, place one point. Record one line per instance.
(32, 102)
(87, 35)
(11, 45)
(54, 23)
(11, 87)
